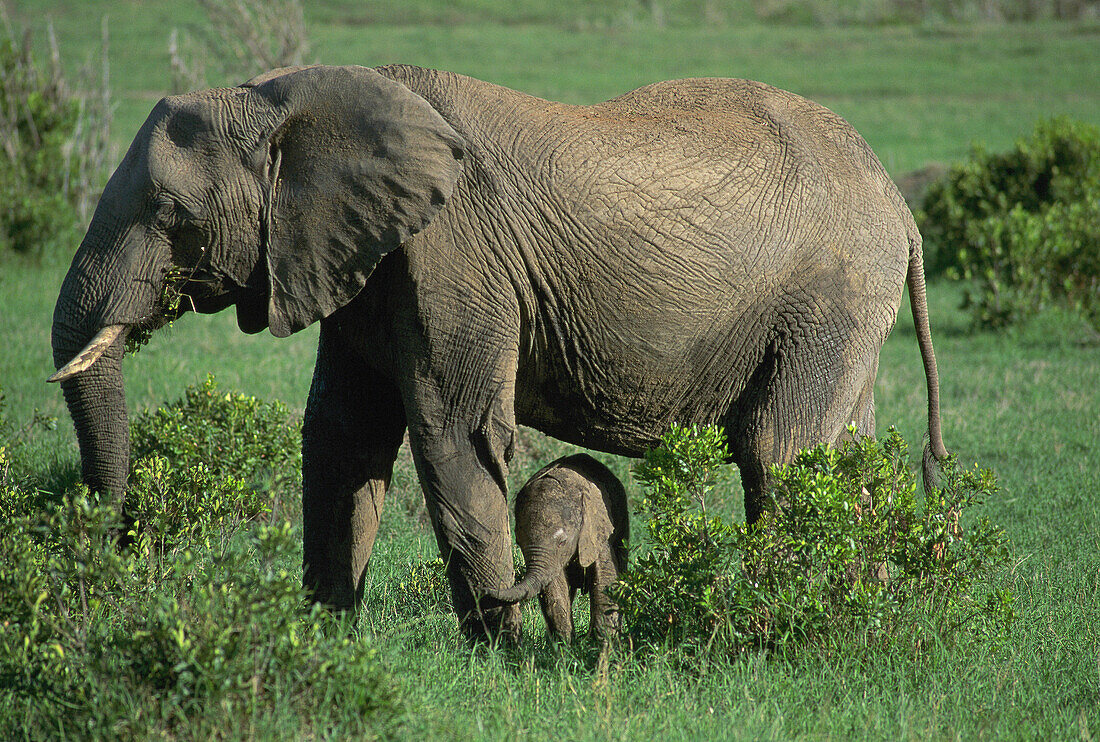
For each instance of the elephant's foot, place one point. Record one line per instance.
(502, 625)
(335, 594)
(606, 623)
(481, 620)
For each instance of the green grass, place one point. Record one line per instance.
(1024, 403)
(917, 93)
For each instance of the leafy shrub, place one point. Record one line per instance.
(55, 142)
(845, 551)
(669, 593)
(1030, 260)
(222, 637)
(189, 503)
(201, 626)
(231, 434)
(32, 654)
(1021, 225)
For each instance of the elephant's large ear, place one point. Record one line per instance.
(596, 528)
(360, 164)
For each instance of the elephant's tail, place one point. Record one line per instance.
(538, 576)
(934, 452)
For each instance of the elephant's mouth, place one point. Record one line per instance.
(208, 292)
(201, 294)
(203, 290)
(141, 332)
(200, 299)
(179, 294)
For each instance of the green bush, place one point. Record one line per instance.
(188, 503)
(54, 149)
(201, 626)
(231, 434)
(1031, 260)
(192, 641)
(844, 553)
(672, 591)
(1021, 225)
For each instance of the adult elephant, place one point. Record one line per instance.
(699, 251)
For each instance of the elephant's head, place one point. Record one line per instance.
(279, 197)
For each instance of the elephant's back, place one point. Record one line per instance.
(720, 216)
(712, 118)
(659, 244)
(730, 191)
(732, 117)
(720, 141)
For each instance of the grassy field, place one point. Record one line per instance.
(1026, 403)
(917, 93)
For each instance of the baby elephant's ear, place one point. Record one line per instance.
(595, 528)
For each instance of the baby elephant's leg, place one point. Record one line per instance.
(605, 622)
(558, 608)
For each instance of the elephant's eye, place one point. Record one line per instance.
(165, 214)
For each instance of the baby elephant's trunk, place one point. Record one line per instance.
(539, 574)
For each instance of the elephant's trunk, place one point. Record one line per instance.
(97, 405)
(540, 571)
(97, 305)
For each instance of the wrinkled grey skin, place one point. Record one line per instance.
(700, 251)
(571, 520)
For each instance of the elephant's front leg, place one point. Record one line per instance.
(462, 465)
(354, 423)
(556, 601)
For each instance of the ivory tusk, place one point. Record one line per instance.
(91, 353)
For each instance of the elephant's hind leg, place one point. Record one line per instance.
(803, 394)
(353, 427)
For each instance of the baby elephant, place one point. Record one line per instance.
(571, 521)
